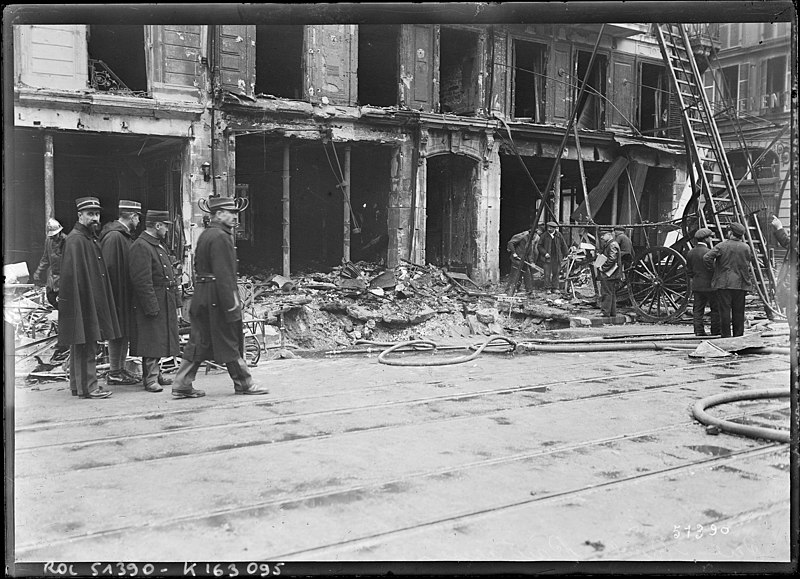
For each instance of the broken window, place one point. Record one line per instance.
(279, 60)
(592, 106)
(529, 80)
(117, 59)
(729, 87)
(377, 64)
(775, 96)
(458, 71)
(653, 100)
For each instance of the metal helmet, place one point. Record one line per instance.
(53, 227)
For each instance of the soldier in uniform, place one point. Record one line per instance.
(115, 242)
(215, 311)
(155, 300)
(86, 310)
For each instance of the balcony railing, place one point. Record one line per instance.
(102, 78)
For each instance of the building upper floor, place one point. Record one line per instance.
(524, 74)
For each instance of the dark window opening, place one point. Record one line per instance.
(592, 106)
(653, 100)
(458, 71)
(377, 65)
(279, 61)
(729, 86)
(117, 59)
(766, 166)
(529, 80)
(775, 96)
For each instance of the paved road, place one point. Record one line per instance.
(549, 456)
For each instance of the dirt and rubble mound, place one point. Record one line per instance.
(362, 301)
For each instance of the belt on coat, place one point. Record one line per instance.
(168, 285)
(204, 278)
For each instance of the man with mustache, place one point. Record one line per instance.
(86, 310)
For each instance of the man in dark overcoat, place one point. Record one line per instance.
(609, 273)
(115, 242)
(730, 261)
(86, 309)
(525, 251)
(700, 279)
(215, 311)
(625, 247)
(155, 300)
(50, 264)
(552, 249)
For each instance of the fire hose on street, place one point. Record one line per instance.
(699, 413)
(495, 344)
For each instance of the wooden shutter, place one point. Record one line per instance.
(744, 87)
(332, 57)
(53, 56)
(236, 58)
(175, 52)
(623, 84)
(416, 68)
(559, 78)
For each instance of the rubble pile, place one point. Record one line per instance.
(364, 301)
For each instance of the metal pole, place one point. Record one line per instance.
(49, 178)
(286, 219)
(346, 206)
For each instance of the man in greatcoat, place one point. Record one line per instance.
(700, 279)
(625, 247)
(552, 249)
(155, 300)
(86, 310)
(215, 312)
(50, 264)
(730, 261)
(524, 252)
(609, 273)
(115, 242)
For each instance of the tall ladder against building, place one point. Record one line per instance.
(719, 202)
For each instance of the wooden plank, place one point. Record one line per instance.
(599, 193)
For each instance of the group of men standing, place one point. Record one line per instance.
(124, 291)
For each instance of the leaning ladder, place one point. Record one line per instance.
(719, 202)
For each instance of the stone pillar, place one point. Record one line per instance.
(49, 178)
(487, 266)
(399, 206)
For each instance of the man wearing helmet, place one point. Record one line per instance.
(50, 264)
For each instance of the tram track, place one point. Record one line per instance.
(293, 502)
(374, 407)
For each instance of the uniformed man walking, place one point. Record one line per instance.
(155, 300)
(215, 311)
(731, 261)
(86, 310)
(702, 293)
(115, 242)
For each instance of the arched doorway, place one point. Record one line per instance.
(450, 227)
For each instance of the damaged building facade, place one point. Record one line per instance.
(358, 142)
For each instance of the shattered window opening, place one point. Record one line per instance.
(592, 106)
(279, 61)
(653, 100)
(377, 64)
(529, 80)
(117, 59)
(458, 71)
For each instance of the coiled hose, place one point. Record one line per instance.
(698, 411)
(492, 344)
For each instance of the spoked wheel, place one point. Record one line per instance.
(658, 284)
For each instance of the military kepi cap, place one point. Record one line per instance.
(736, 228)
(86, 203)
(154, 216)
(552, 224)
(130, 206)
(217, 203)
(703, 233)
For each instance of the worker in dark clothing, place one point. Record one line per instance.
(215, 311)
(523, 254)
(625, 246)
(86, 310)
(115, 243)
(609, 273)
(730, 261)
(552, 249)
(50, 264)
(155, 301)
(700, 285)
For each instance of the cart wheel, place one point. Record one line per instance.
(658, 283)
